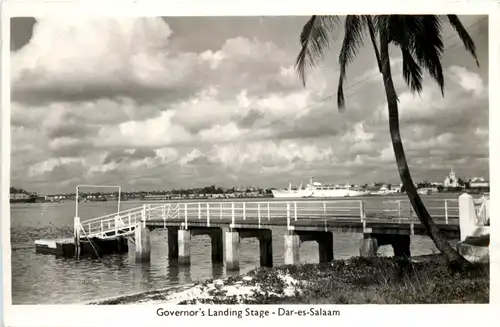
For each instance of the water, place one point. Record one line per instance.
(45, 279)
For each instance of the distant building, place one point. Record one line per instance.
(156, 197)
(451, 180)
(478, 182)
(19, 196)
(427, 190)
(396, 188)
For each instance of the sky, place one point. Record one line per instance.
(181, 102)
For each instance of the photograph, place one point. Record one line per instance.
(234, 160)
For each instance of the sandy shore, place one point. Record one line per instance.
(239, 289)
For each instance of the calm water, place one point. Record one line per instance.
(43, 279)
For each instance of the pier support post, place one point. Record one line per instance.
(401, 246)
(173, 242)
(232, 242)
(292, 245)
(325, 247)
(76, 236)
(369, 246)
(122, 245)
(142, 244)
(266, 248)
(216, 240)
(184, 238)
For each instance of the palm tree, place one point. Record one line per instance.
(420, 41)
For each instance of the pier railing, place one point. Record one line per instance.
(258, 213)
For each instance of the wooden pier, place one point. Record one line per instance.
(226, 223)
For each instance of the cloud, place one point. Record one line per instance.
(122, 101)
(76, 59)
(468, 80)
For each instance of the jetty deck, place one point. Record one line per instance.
(313, 215)
(384, 222)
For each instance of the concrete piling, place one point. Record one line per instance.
(368, 247)
(293, 239)
(292, 246)
(325, 247)
(184, 238)
(232, 244)
(216, 240)
(142, 244)
(399, 242)
(173, 242)
(266, 248)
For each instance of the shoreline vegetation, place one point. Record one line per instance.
(204, 193)
(378, 280)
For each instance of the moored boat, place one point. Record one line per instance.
(320, 190)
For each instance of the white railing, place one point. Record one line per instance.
(258, 213)
(124, 222)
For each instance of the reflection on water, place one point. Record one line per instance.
(45, 279)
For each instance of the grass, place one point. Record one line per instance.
(364, 281)
(383, 281)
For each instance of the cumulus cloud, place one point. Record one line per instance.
(121, 101)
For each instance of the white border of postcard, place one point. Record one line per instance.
(145, 315)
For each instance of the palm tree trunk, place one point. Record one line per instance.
(455, 260)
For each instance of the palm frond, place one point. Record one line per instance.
(314, 39)
(353, 39)
(429, 48)
(464, 36)
(420, 37)
(369, 21)
(412, 72)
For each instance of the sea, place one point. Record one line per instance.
(45, 279)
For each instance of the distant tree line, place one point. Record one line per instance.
(426, 184)
(212, 189)
(19, 190)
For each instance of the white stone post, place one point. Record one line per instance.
(467, 215)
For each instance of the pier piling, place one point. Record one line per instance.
(76, 236)
(368, 246)
(173, 242)
(293, 239)
(184, 237)
(232, 244)
(325, 247)
(266, 248)
(142, 243)
(371, 242)
(216, 240)
(292, 246)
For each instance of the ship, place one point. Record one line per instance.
(320, 190)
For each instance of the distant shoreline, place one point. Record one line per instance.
(474, 192)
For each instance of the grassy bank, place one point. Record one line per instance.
(352, 281)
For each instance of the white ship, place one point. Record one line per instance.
(319, 190)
